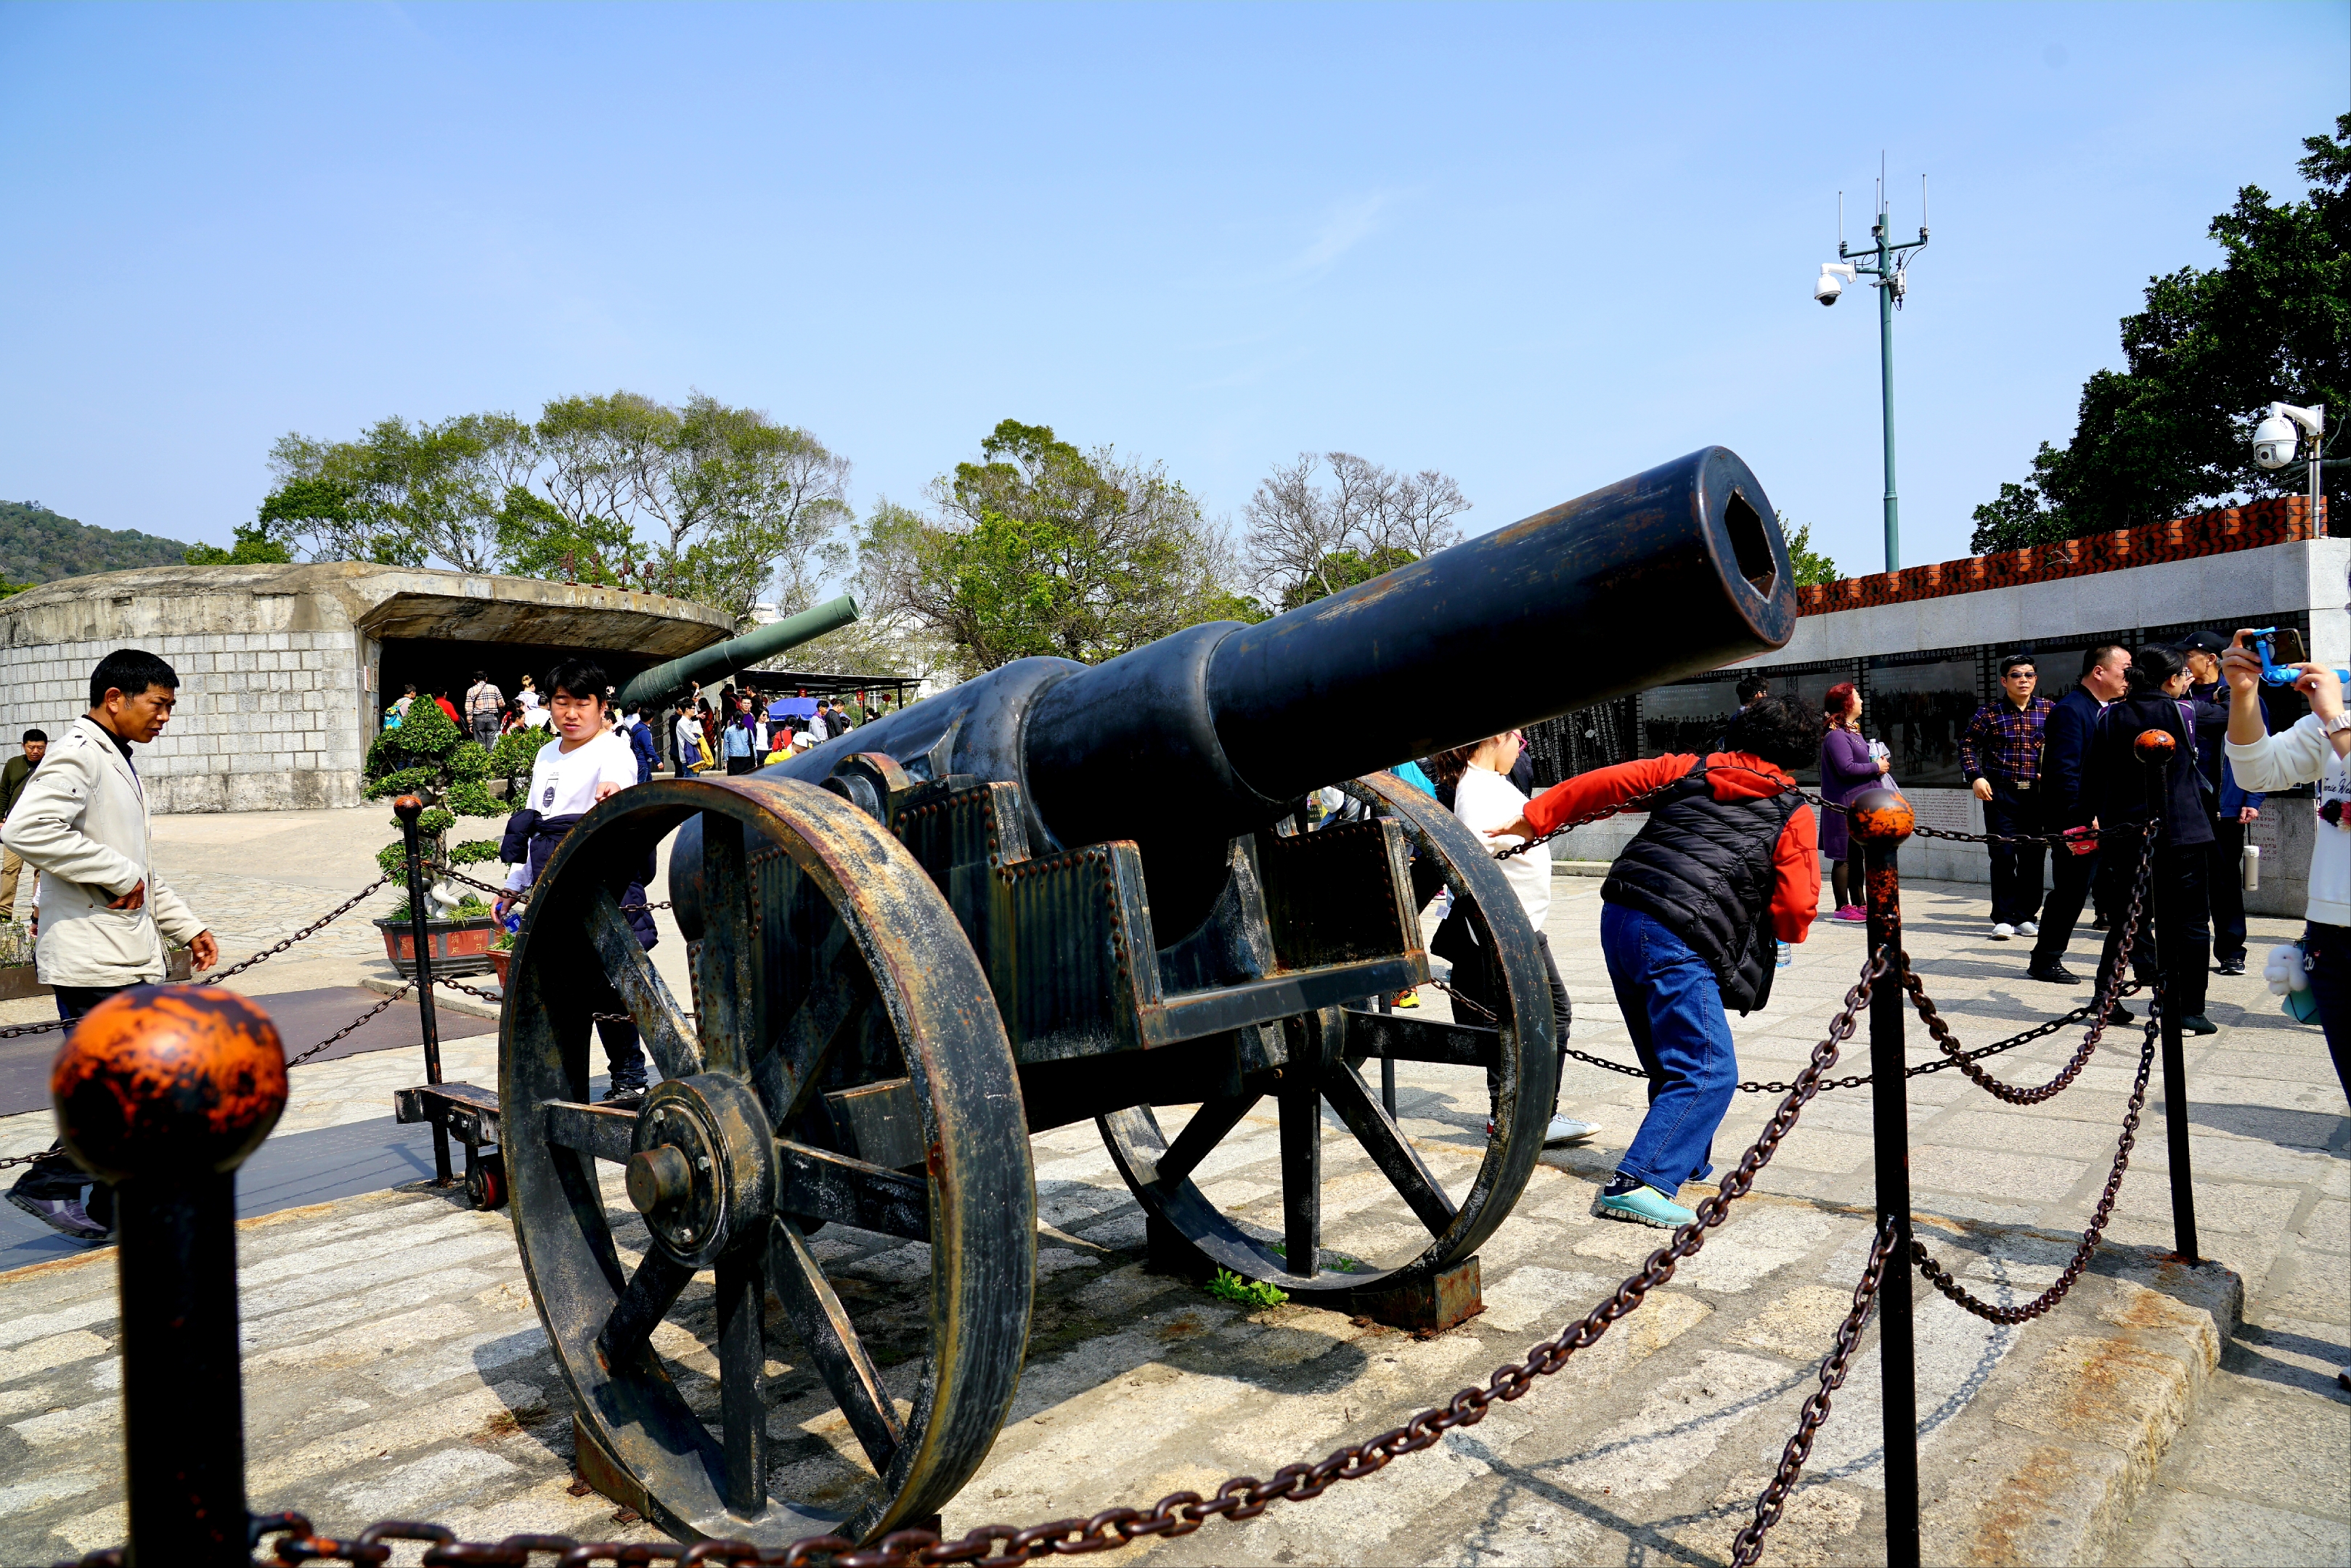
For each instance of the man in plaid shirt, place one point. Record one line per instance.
(2000, 754)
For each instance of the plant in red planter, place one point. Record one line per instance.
(428, 756)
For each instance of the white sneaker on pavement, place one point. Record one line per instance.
(2028, 929)
(2001, 931)
(1568, 1130)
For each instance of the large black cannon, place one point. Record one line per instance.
(1059, 892)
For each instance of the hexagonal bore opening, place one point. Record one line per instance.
(1751, 546)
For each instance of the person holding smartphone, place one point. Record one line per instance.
(2311, 751)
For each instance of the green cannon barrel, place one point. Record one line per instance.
(664, 682)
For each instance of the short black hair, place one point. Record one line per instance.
(576, 678)
(130, 670)
(1785, 730)
(481, 675)
(2096, 654)
(1750, 687)
(2152, 665)
(2015, 661)
(33, 734)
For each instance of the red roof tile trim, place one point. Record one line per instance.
(2279, 520)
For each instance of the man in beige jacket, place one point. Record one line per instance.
(104, 916)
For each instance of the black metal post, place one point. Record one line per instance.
(1881, 819)
(163, 1102)
(2157, 749)
(408, 807)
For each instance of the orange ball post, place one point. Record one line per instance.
(163, 1090)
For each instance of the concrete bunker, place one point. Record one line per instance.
(285, 670)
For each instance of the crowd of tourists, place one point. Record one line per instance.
(1727, 871)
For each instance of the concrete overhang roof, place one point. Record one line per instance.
(421, 603)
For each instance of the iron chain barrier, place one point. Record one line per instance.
(1885, 983)
(292, 1540)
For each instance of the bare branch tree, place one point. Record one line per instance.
(1304, 542)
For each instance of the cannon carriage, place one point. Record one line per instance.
(1059, 894)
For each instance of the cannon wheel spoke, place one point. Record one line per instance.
(1208, 1127)
(643, 990)
(742, 1354)
(824, 1326)
(1396, 1156)
(653, 1289)
(1510, 1067)
(827, 960)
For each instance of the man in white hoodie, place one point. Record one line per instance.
(105, 915)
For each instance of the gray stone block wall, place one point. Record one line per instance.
(267, 720)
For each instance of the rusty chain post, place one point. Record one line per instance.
(1881, 819)
(408, 808)
(162, 1091)
(2155, 748)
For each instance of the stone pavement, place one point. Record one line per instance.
(397, 1367)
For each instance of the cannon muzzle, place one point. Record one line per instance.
(664, 682)
(1218, 729)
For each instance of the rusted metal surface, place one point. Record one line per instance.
(829, 964)
(1882, 819)
(168, 1078)
(161, 1091)
(1316, 1065)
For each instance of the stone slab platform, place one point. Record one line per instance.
(396, 1367)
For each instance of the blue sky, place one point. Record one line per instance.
(1538, 247)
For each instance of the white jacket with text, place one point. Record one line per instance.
(82, 819)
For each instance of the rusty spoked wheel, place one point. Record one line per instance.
(1400, 1220)
(846, 1068)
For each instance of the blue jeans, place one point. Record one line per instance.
(1672, 1004)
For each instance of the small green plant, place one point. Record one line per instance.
(469, 907)
(1255, 1294)
(428, 754)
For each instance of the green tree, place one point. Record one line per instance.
(429, 756)
(2172, 431)
(253, 546)
(537, 539)
(1811, 567)
(1042, 548)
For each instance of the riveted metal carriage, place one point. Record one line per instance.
(1059, 894)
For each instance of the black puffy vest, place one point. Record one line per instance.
(1702, 868)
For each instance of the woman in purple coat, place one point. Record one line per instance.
(1847, 770)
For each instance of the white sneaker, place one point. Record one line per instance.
(2001, 931)
(1568, 1130)
(2028, 929)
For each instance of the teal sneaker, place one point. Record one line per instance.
(1642, 1206)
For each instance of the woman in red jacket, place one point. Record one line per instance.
(1695, 907)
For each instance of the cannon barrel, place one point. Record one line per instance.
(662, 682)
(1219, 728)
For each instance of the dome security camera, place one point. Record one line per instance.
(1828, 287)
(2274, 442)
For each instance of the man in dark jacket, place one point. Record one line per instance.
(13, 779)
(2232, 808)
(2066, 752)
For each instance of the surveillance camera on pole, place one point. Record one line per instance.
(1887, 263)
(2275, 437)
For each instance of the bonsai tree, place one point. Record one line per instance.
(511, 758)
(428, 755)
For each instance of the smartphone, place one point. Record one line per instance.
(2283, 646)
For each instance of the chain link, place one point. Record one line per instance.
(2101, 1007)
(1857, 1079)
(1179, 1513)
(1941, 1279)
(348, 1028)
(217, 975)
(522, 895)
(1786, 786)
(1749, 1544)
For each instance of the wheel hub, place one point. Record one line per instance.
(703, 1173)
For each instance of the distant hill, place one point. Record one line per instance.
(36, 545)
